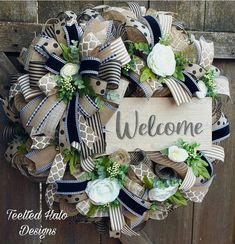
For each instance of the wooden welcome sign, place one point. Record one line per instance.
(158, 123)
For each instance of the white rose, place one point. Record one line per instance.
(102, 191)
(161, 60)
(203, 89)
(160, 195)
(177, 154)
(69, 69)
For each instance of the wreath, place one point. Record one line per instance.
(78, 70)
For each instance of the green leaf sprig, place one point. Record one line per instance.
(181, 61)
(131, 49)
(71, 53)
(70, 85)
(160, 183)
(209, 80)
(72, 157)
(148, 182)
(194, 159)
(177, 199)
(106, 168)
(165, 40)
(147, 73)
(94, 208)
(142, 47)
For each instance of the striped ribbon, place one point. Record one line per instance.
(145, 87)
(165, 21)
(135, 8)
(117, 221)
(116, 218)
(178, 92)
(27, 110)
(36, 71)
(111, 73)
(27, 91)
(49, 31)
(114, 50)
(188, 181)
(87, 164)
(180, 168)
(216, 152)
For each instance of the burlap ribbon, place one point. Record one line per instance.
(43, 158)
(205, 52)
(180, 168)
(198, 191)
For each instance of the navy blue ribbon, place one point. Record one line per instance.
(221, 133)
(190, 83)
(155, 27)
(71, 123)
(131, 203)
(54, 64)
(73, 33)
(65, 187)
(89, 66)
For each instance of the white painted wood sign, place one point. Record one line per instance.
(157, 123)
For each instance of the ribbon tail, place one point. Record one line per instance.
(50, 195)
(178, 92)
(57, 169)
(118, 223)
(86, 133)
(216, 152)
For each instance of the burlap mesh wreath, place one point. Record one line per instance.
(77, 71)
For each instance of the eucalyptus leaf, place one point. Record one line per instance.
(146, 73)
